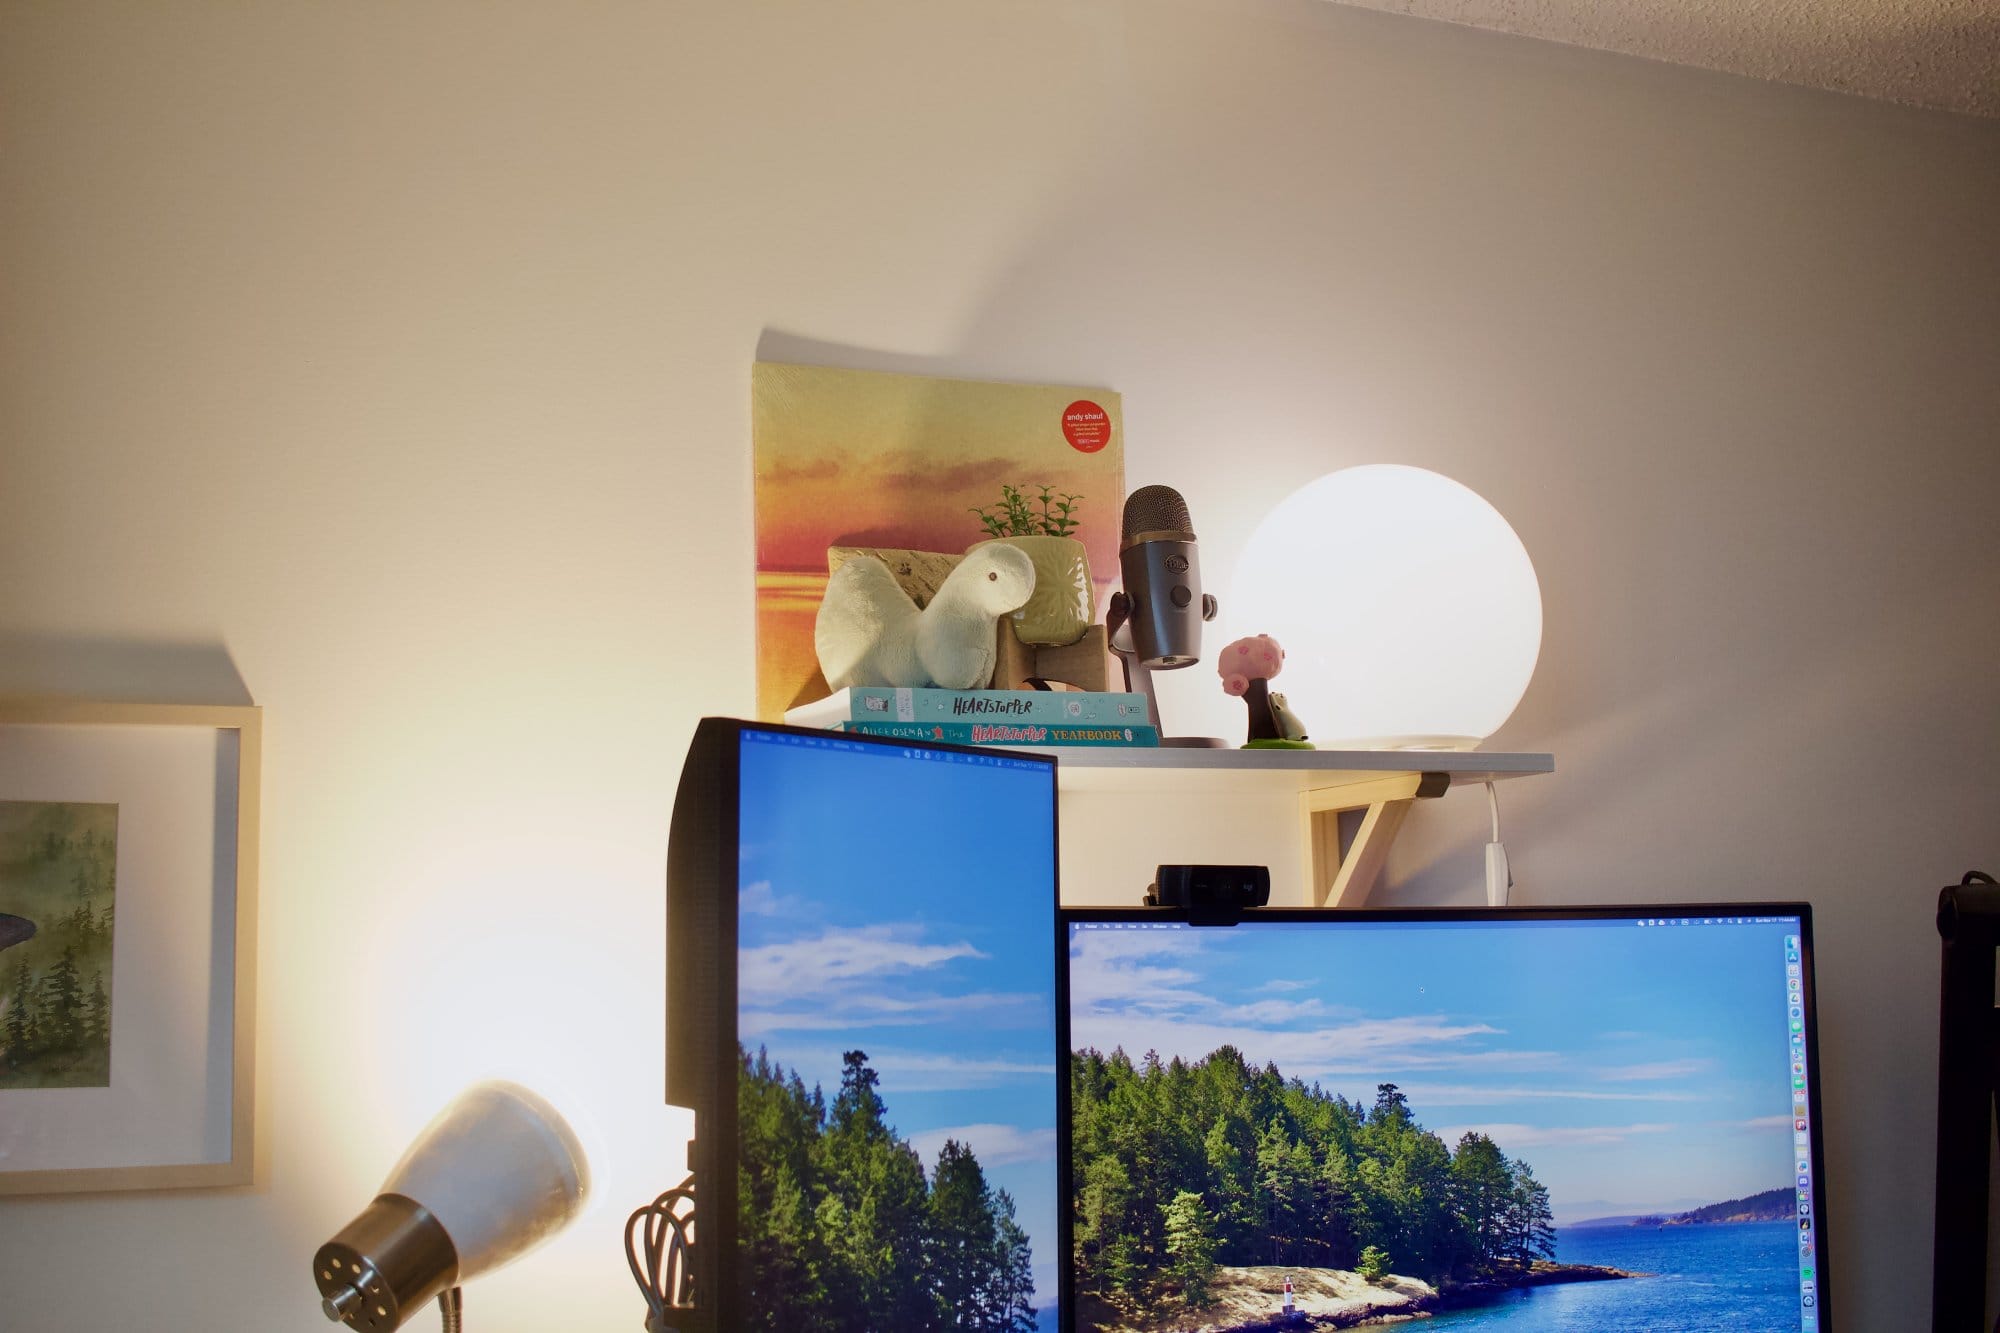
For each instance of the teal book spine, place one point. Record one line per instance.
(1008, 733)
(1052, 708)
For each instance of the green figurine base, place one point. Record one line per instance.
(1279, 744)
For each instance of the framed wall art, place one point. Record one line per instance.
(128, 928)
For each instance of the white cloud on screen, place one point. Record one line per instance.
(1429, 1094)
(993, 1145)
(1261, 1012)
(1764, 1122)
(1143, 990)
(1131, 989)
(760, 899)
(861, 1012)
(1104, 947)
(916, 1071)
(1134, 969)
(1659, 1069)
(869, 977)
(838, 957)
(1362, 1046)
(1512, 1060)
(911, 1071)
(1514, 1138)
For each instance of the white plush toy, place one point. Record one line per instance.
(869, 632)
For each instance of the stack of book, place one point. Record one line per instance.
(983, 717)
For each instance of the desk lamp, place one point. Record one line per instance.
(497, 1173)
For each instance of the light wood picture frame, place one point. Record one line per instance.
(129, 840)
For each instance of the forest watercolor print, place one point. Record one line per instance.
(58, 897)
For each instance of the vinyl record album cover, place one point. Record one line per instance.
(868, 459)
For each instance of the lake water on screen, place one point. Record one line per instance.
(1743, 1278)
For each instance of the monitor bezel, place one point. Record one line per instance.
(1815, 1125)
(701, 1002)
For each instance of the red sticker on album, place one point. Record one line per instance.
(1086, 426)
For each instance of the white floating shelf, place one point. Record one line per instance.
(1118, 768)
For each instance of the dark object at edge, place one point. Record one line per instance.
(15, 930)
(1968, 922)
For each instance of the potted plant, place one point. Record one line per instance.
(1040, 525)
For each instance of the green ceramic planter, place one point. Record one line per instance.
(1059, 610)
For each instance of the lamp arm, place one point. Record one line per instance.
(451, 1305)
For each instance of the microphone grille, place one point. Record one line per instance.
(1156, 509)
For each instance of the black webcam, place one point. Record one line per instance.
(1210, 895)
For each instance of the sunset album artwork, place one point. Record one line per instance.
(863, 458)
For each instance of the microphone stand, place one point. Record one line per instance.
(1139, 676)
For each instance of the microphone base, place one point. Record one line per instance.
(1139, 681)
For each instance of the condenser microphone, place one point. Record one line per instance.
(1162, 574)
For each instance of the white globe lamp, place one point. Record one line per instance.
(1407, 608)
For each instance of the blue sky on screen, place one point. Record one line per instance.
(904, 907)
(1635, 1068)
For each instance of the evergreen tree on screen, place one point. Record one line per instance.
(1285, 1175)
(840, 1230)
(1374, 1264)
(978, 1254)
(1530, 1220)
(1338, 1203)
(962, 1237)
(1282, 1172)
(1484, 1196)
(1102, 1244)
(1191, 1243)
(1016, 1271)
(878, 1230)
(1228, 1160)
(784, 1264)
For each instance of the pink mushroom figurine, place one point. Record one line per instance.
(1246, 667)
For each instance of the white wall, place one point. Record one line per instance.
(388, 365)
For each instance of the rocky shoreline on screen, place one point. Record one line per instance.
(1249, 1300)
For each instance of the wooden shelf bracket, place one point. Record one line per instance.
(1348, 830)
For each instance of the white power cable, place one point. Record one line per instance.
(1499, 878)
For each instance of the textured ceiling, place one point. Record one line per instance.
(1934, 53)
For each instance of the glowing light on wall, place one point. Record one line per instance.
(1408, 608)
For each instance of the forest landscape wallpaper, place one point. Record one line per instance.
(1529, 1124)
(897, 1092)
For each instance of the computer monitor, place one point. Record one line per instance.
(1599, 1118)
(863, 1011)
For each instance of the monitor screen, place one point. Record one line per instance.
(1537, 1120)
(897, 1100)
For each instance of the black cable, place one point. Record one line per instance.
(665, 1279)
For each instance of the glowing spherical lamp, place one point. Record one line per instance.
(1407, 607)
